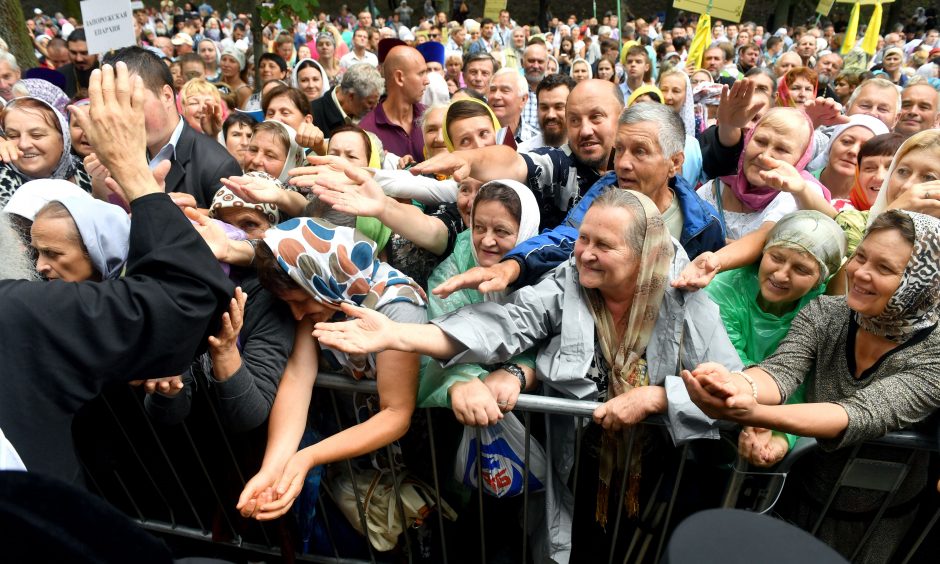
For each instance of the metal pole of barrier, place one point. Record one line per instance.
(525, 485)
(401, 502)
(140, 461)
(329, 529)
(644, 518)
(205, 472)
(479, 435)
(734, 483)
(355, 486)
(884, 506)
(621, 493)
(835, 490)
(578, 434)
(127, 492)
(923, 535)
(437, 486)
(672, 500)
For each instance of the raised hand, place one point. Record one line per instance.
(211, 120)
(211, 232)
(356, 193)
(699, 272)
(737, 105)
(113, 122)
(310, 136)
(494, 278)
(824, 111)
(923, 198)
(368, 332)
(225, 341)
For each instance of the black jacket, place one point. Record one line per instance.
(200, 163)
(63, 341)
(326, 114)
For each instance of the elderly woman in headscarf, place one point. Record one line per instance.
(317, 269)
(77, 239)
(607, 327)
(837, 166)
(758, 302)
(38, 146)
(868, 363)
(32, 196)
(310, 78)
(504, 213)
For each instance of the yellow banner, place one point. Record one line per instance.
(870, 43)
(824, 7)
(492, 8)
(720, 9)
(701, 40)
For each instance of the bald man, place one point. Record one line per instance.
(787, 61)
(395, 120)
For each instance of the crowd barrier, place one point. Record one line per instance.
(182, 482)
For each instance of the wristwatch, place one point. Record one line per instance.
(516, 371)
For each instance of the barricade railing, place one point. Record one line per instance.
(182, 482)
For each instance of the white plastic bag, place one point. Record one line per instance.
(502, 456)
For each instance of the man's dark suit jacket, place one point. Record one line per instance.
(326, 114)
(200, 163)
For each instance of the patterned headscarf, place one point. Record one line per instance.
(624, 357)
(809, 231)
(447, 140)
(914, 304)
(65, 169)
(337, 265)
(47, 92)
(759, 197)
(225, 198)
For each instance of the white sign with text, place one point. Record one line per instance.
(109, 24)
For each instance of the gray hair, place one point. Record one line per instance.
(766, 72)
(15, 263)
(363, 80)
(423, 120)
(671, 128)
(522, 87)
(10, 60)
(878, 82)
(634, 230)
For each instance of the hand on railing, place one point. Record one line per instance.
(474, 404)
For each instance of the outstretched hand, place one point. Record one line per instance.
(254, 189)
(356, 193)
(711, 388)
(781, 175)
(698, 273)
(484, 279)
(824, 111)
(737, 106)
(368, 332)
(446, 164)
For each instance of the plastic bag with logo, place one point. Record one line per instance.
(502, 457)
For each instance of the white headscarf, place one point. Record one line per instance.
(105, 230)
(295, 153)
(295, 80)
(873, 124)
(529, 220)
(32, 196)
(579, 59)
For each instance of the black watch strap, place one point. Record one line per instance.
(516, 371)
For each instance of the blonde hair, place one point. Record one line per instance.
(197, 87)
(925, 140)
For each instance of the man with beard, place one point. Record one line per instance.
(828, 68)
(534, 63)
(552, 94)
(748, 57)
(76, 73)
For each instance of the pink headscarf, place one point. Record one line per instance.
(759, 197)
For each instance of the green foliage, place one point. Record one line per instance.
(285, 10)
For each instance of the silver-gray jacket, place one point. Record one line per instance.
(554, 316)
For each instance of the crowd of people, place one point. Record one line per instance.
(467, 210)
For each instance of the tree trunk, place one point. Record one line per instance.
(781, 15)
(72, 9)
(16, 34)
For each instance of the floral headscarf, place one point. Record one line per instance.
(65, 169)
(759, 197)
(337, 265)
(913, 306)
(625, 357)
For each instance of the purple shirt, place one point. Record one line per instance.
(393, 137)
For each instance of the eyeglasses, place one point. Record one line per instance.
(434, 35)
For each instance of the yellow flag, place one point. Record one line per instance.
(851, 31)
(701, 41)
(870, 43)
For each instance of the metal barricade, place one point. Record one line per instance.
(180, 482)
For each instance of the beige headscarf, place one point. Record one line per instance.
(624, 356)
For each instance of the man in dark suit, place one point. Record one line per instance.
(198, 161)
(350, 100)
